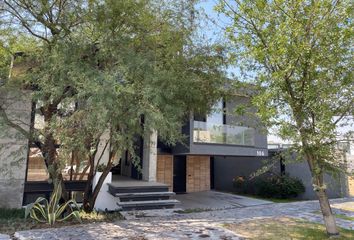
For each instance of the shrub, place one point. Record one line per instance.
(50, 212)
(11, 213)
(272, 186)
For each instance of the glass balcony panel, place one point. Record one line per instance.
(205, 132)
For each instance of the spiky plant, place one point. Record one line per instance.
(51, 212)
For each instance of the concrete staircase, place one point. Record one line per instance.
(143, 197)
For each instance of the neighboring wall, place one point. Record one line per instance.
(336, 185)
(13, 149)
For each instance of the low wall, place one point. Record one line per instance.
(227, 168)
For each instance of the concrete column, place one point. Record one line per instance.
(13, 148)
(150, 156)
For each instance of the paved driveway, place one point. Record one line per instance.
(214, 200)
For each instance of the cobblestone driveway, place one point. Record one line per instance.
(203, 225)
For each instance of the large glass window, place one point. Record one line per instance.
(217, 116)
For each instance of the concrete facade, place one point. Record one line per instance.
(13, 148)
(336, 186)
(227, 168)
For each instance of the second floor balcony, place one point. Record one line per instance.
(204, 132)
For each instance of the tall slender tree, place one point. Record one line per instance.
(300, 53)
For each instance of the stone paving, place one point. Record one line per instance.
(216, 200)
(202, 225)
(4, 237)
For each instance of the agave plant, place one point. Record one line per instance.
(50, 212)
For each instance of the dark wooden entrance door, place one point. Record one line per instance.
(179, 174)
(212, 173)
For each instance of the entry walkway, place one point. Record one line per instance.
(214, 200)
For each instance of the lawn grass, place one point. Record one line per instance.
(279, 200)
(346, 206)
(13, 220)
(284, 228)
(340, 216)
(344, 217)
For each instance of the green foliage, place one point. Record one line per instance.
(12, 220)
(124, 60)
(101, 167)
(279, 187)
(99, 67)
(271, 186)
(299, 54)
(6, 213)
(51, 212)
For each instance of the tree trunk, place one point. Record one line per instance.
(90, 199)
(328, 217)
(88, 188)
(88, 191)
(317, 178)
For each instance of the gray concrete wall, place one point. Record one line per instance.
(13, 148)
(336, 185)
(227, 168)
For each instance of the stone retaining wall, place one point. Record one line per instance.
(13, 148)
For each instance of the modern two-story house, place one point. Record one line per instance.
(216, 148)
(216, 145)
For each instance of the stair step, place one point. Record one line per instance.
(157, 203)
(136, 189)
(144, 194)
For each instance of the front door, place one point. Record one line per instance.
(179, 174)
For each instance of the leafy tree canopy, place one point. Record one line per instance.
(95, 66)
(300, 54)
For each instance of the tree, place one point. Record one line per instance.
(300, 54)
(101, 67)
